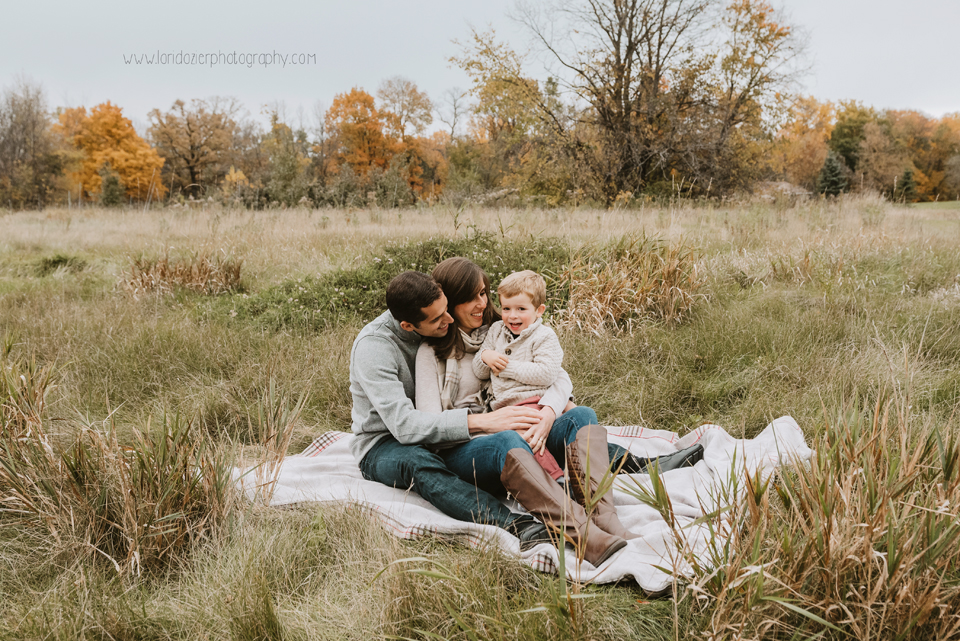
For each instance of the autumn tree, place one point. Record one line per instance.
(106, 137)
(929, 143)
(194, 140)
(517, 127)
(32, 161)
(357, 131)
(406, 110)
(951, 179)
(660, 94)
(800, 147)
(287, 181)
(880, 161)
(248, 157)
(423, 164)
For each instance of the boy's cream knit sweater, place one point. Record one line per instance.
(536, 360)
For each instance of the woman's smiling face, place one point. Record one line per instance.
(469, 315)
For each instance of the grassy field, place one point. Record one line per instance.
(137, 345)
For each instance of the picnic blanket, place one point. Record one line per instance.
(326, 472)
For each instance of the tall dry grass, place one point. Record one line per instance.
(139, 506)
(640, 279)
(861, 543)
(802, 306)
(199, 273)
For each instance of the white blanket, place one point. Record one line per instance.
(327, 472)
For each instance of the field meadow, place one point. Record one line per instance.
(140, 346)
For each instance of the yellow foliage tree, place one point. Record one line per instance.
(107, 138)
(801, 145)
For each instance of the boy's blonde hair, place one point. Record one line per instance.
(526, 282)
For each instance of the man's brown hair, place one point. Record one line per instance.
(408, 293)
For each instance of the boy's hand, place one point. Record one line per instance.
(496, 361)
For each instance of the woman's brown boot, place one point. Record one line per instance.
(543, 497)
(589, 452)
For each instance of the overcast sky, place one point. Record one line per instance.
(886, 53)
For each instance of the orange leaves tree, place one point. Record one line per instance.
(385, 145)
(407, 112)
(106, 138)
(800, 147)
(885, 149)
(357, 132)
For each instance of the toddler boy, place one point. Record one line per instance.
(522, 353)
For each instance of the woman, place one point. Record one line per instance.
(504, 462)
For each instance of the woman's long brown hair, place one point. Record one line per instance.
(461, 280)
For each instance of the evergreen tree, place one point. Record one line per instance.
(111, 189)
(831, 180)
(906, 190)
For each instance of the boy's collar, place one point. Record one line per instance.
(535, 324)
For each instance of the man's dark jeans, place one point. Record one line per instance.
(417, 468)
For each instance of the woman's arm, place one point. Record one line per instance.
(427, 380)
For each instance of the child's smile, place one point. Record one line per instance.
(519, 312)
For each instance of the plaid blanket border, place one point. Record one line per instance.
(321, 443)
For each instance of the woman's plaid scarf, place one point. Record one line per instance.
(450, 374)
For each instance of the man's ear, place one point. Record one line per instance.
(409, 327)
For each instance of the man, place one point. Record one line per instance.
(390, 435)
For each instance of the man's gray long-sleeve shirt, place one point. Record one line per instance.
(382, 384)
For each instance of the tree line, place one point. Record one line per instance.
(644, 99)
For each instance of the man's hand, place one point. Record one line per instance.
(517, 418)
(494, 360)
(536, 436)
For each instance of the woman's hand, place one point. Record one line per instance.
(536, 436)
(496, 361)
(516, 417)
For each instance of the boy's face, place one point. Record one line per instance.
(435, 324)
(519, 312)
